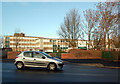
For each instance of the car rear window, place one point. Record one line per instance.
(28, 54)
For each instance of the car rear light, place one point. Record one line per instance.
(16, 57)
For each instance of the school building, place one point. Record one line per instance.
(20, 42)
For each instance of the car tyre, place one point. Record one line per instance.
(52, 67)
(20, 65)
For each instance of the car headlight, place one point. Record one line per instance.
(60, 62)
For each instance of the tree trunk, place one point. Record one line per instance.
(104, 40)
(108, 41)
(89, 41)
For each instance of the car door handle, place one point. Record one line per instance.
(23, 58)
(34, 59)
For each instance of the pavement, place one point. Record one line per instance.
(71, 73)
(102, 64)
(99, 65)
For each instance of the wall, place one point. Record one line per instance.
(12, 54)
(82, 54)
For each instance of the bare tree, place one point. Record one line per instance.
(90, 21)
(70, 30)
(108, 20)
(116, 33)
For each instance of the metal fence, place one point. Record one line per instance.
(111, 55)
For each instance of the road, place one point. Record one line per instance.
(70, 73)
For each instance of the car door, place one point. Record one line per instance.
(40, 61)
(28, 58)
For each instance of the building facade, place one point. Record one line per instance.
(20, 42)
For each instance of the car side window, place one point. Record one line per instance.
(28, 54)
(37, 55)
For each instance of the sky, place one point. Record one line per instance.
(38, 18)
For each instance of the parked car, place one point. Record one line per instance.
(37, 59)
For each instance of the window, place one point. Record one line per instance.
(50, 40)
(7, 46)
(37, 55)
(48, 56)
(28, 54)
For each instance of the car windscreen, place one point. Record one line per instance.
(48, 56)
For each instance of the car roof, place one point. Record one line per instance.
(32, 51)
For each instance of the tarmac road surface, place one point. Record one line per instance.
(70, 73)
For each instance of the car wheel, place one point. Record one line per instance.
(52, 67)
(19, 65)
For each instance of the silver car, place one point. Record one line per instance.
(37, 59)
